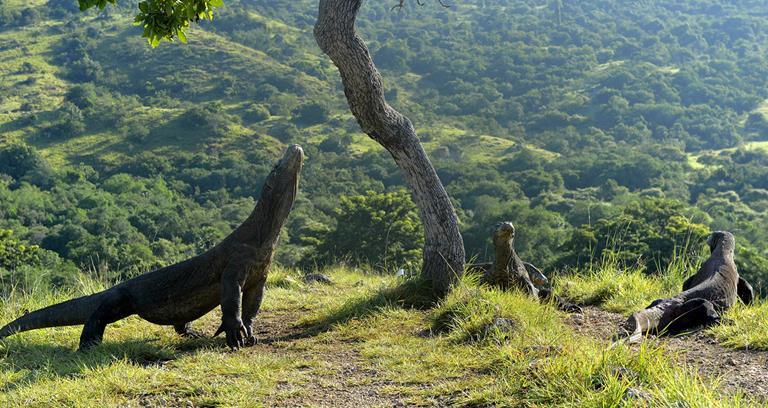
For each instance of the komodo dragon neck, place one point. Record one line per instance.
(504, 244)
(261, 229)
(505, 256)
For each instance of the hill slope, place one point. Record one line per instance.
(550, 114)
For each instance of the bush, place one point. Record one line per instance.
(652, 232)
(382, 229)
(24, 163)
(257, 113)
(14, 252)
(311, 113)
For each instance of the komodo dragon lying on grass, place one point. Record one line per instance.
(509, 271)
(231, 274)
(706, 294)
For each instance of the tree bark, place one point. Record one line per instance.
(335, 33)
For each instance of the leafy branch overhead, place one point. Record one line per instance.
(165, 19)
(168, 19)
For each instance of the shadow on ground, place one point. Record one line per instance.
(410, 294)
(36, 361)
(45, 361)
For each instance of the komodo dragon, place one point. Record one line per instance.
(231, 274)
(706, 294)
(509, 271)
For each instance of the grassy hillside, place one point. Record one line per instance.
(574, 120)
(602, 129)
(363, 340)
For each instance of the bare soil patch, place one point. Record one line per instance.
(337, 375)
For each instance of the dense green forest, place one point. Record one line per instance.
(633, 127)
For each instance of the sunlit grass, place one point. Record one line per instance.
(462, 359)
(455, 352)
(622, 289)
(746, 327)
(628, 290)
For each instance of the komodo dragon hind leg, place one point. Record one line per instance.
(744, 291)
(694, 313)
(116, 305)
(186, 330)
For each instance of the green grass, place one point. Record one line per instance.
(453, 355)
(450, 354)
(620, 290)
(693, 158)
(746, 327)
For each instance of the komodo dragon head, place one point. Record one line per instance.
(724, 240)
(280, 188)
(504, 235)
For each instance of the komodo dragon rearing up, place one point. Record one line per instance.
(706, 294)
(231, 274)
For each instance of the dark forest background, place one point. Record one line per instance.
(621, 128)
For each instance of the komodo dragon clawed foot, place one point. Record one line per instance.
(186, 331)
(235, 332)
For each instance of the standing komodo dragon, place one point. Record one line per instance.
(706, 294)
(509, 271)
(231, 274)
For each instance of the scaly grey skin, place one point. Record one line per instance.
(231, 274)
(706, 295)
(508, 270)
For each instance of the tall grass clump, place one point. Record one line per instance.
(618, 287)
(745, 327)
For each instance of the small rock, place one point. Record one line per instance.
(500, 325)
(625, 373)
(504, 324)
(577, 319)
(317, 277)
(637, 394)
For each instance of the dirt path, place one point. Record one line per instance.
(338, 376)
(737, 369)
(344, 378)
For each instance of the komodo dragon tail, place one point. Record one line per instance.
(69, 313)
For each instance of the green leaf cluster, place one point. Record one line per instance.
(165, 19)
(652, 232)
(15, 252)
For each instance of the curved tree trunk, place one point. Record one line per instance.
(335, 34)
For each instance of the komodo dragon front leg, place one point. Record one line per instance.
(232, 282)
(252, 297)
